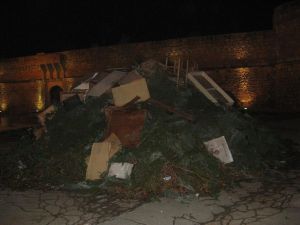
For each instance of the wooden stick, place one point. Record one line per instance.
(174, 66)
(167, 62)
(178, 72)
(168, 108)
(125, 107)
(187, 71)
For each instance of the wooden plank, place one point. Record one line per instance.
(187, 71)
(205, 84)
(178, 73)
(168, 108)
(201, 88)
(229, 100)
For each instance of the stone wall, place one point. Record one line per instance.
(260, 69)
(286, 22)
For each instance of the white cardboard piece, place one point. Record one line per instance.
(106, 84)
(120, 170)
(85, 85)
(219, 148)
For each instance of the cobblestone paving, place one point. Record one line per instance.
(274, 203)
(59, 208)
(254, 202)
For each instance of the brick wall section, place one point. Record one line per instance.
(287, 26)
(26, 68)
(286, 22)
(250, 86)
(234, 50)
(250, 66)
(233, 57)
(21, 97)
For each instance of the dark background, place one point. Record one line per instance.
(28, 27)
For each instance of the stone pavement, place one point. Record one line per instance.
(253, 202)
(275, 203)
(59, 208)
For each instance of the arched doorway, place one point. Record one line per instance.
(55, 93)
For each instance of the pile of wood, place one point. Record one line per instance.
(125, 121)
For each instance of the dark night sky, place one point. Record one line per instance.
(32, 26)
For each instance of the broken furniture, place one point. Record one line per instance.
(171, 109)
(210, 88)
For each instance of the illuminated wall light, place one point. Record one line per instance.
(69, 84)
(245, 97)
(174, 54)
(3, 106)
(3, 98)
(39, 103)
(240, 52)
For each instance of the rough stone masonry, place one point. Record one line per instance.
(260, 69)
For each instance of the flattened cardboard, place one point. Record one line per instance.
(100, 155)
(219, 148)
(125, 93)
